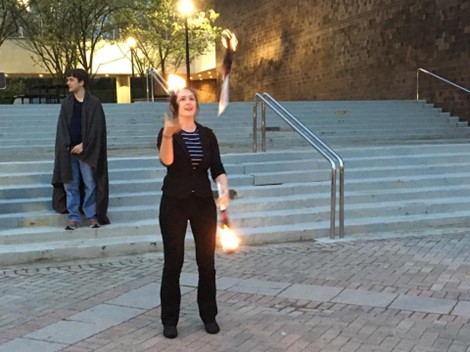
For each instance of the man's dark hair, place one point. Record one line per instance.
(81, 75)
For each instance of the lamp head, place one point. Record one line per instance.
(186, 8)
(131, 42)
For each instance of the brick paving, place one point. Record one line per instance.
(402, 294)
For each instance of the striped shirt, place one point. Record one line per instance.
(193, 143)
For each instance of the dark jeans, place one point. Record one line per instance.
(174, 216)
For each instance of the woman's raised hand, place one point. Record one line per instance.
(171, 126)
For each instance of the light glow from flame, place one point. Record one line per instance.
(175, 82)
(231, 37)
(228, 239)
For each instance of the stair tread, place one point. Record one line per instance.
(404, 170)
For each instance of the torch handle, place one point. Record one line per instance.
(224, 218)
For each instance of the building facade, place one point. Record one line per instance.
(112, 60)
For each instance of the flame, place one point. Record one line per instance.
(228, 36)
(175, 82)
(228, 239)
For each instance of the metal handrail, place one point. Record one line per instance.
(153, 74)
(438, 77)
(334, 159)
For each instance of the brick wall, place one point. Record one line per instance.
(206, 90)
(346, 49)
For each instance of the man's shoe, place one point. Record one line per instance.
(169, 331)
(72, 225)
(212, 327)
(94, 224)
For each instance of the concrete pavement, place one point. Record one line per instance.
(398, 294)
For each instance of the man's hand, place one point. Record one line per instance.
(78, 149)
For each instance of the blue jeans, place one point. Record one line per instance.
(80, 170)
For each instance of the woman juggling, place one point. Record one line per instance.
(189, 150)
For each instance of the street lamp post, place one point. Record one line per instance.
(132, 62)
(186, 8)
(188, 74)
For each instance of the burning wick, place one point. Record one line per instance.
(228, 237)
(175, 82)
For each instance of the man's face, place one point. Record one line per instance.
(74, 84)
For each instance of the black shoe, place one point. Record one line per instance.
(169, 331)
(212, 327)
(94, 224)
(72, 225)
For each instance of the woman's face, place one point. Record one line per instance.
(187, 104)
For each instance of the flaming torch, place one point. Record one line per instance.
(175, 83)
(230, 42)
(228, 238)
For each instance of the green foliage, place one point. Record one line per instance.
(160, 33)
(67, 33)
(48, 34)
(8, 11)
(14, 87)
(92, 22)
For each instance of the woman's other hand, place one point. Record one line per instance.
(223, 199)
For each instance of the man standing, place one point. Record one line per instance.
(80, 177)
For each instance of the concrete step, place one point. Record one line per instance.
(135, 220)
(78, 249)
(47, 130)
(414, 153)
(137, 210)
(20, 185)
(242, 113)
(280, 195)
(274, 139)
(132, 244)
(252, 198)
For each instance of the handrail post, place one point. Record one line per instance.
(255, 123)
(341, 201)
(152, 88)
(160, 80)
(442, 79)
(336, 162)
(333, 204)
(263, 126)
(147, 90)
(339, 164)
(417, 84)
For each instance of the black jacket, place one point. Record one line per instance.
(181, 180)
(94, 153)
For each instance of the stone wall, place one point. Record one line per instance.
(345, 49)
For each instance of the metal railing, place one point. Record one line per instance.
(152, 75)
(332, 157)
(439, 78)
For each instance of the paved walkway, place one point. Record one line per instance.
(400, 294)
